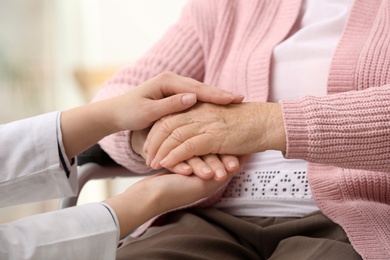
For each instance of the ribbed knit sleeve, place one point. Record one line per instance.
(358, 200)
(346, 136)
(349, 130)
(179, 51)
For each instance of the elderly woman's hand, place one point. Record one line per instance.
(205, 167)
(213, 129)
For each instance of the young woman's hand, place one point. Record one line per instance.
(154, 195)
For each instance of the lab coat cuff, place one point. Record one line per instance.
(114, 218)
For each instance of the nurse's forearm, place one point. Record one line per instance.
(84, 126)
(133, 208)
(136, 109)
(157, 194)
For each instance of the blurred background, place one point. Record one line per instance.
(54, 54)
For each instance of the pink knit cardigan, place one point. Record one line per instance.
(344, 136)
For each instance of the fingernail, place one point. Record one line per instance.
(188, 99)
(219, 173)
(232, 164)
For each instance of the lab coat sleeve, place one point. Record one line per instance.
(83, 232)
(30, 170)
(30, 165)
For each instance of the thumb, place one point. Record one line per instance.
(173, 104)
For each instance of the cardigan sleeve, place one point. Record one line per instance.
(348, 130)
(179, 51)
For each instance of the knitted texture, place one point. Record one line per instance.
(348, 134)
(344, 136)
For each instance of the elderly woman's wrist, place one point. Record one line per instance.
(276, 129)
(137, 141)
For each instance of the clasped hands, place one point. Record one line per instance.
(199, 129)
(211, 140)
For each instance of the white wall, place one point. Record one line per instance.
(99, 34)
(117, 32)
(72, 34)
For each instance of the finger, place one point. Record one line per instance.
(173, 84)
(200, 168)
(230, 162)
(217, 165)
(160, 148)
(156, 136)
(165, 135)
(150, 148)
(243, 158)
(170, 105)
(195, 146)
(182, 168)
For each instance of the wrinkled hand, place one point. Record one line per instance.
(213, 129)
(205, 167)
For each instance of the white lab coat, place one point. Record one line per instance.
(31, 170)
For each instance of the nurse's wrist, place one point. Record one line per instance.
(133, 207)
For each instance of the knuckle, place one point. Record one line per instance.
(194, 162)
(164, 125)
(213, 161)
(172, 101)
(189, 147)
(215, 141)
(198, 87)
(166, 75)
(173, 154)
(177, 136)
